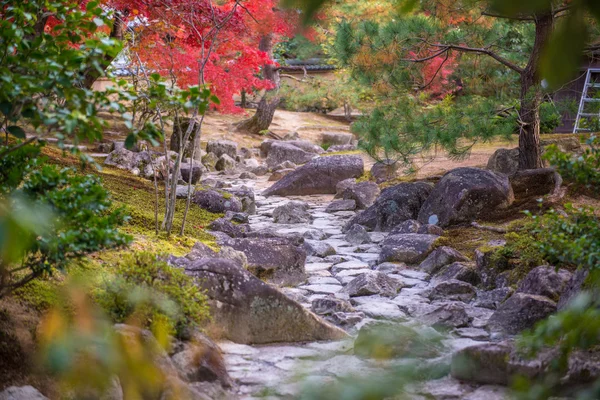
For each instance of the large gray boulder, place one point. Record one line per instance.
(363, 193)
(122, 159)
(276, 259)
(521, 311)
(21, 393)
(252, 312)
(394, 205)
(501, 363)
(306, 146)
(545, 281)
(195, 173)
(464, 194)
(216, 202)
(505, 161)
(292, 212)
(319, 176)
(220, 147)
(410, 248)
(280, 152)
(335, 138)
(533, 182)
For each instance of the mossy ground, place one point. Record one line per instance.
(137, 196)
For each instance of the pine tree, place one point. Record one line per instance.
(430, 50)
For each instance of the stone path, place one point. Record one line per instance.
(284, 370)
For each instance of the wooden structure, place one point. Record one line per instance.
(571, 93)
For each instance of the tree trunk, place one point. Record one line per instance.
(269, 102)
(117, 32)
(530, 154)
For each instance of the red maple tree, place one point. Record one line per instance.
(203, 41)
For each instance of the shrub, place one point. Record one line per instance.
(51, 217)
(569, 239)
(583, 171)
(149, 290)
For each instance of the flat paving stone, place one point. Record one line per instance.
(314, 267)
(324, 289)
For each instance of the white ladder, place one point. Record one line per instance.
(585, 99)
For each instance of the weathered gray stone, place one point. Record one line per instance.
(521, 311)
(396, 204)
(318, 248)
(225, 163)
(493, 298)
(371, 283)
(461, 271)
(452, 290)
(333, 138)
(210, 161)
(330, 305)
(486, 363)
(410, 248)
(122, 159)
(278, 260)
(341, 205)
(201, 360)
(229, 228)
(447, 316)
(306, 146)
(385, 170)
(363, 193)
(341, 186)
(186, 172)
(292, 212)
(221, 147)
(545, 281)
(246, 196)
(284, 151)
(21, 393)
(319, 176)
(216, 202)
(464, 194)
(277, 175)
(357, 235)
(408, 226)
(533, 182)
(489, 269)
(248, 176)
(250, 311)
(505, 161)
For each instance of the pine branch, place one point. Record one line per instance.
(495, 56)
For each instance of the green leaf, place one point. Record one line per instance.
(16, 131)
(130, 141)
(561, 58)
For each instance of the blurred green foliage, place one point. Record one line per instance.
(144, 288)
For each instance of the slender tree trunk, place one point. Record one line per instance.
(530, 154)
(269, 102)
(117, 32)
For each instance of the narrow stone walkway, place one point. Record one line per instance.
(283, 371)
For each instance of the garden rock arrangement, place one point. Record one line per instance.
(327, 286)
(314, 273)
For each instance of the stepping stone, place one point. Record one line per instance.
(314, 267)
(317, 280)
(349, 265)
(351, 272)
(322, 289)
(472, 333)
